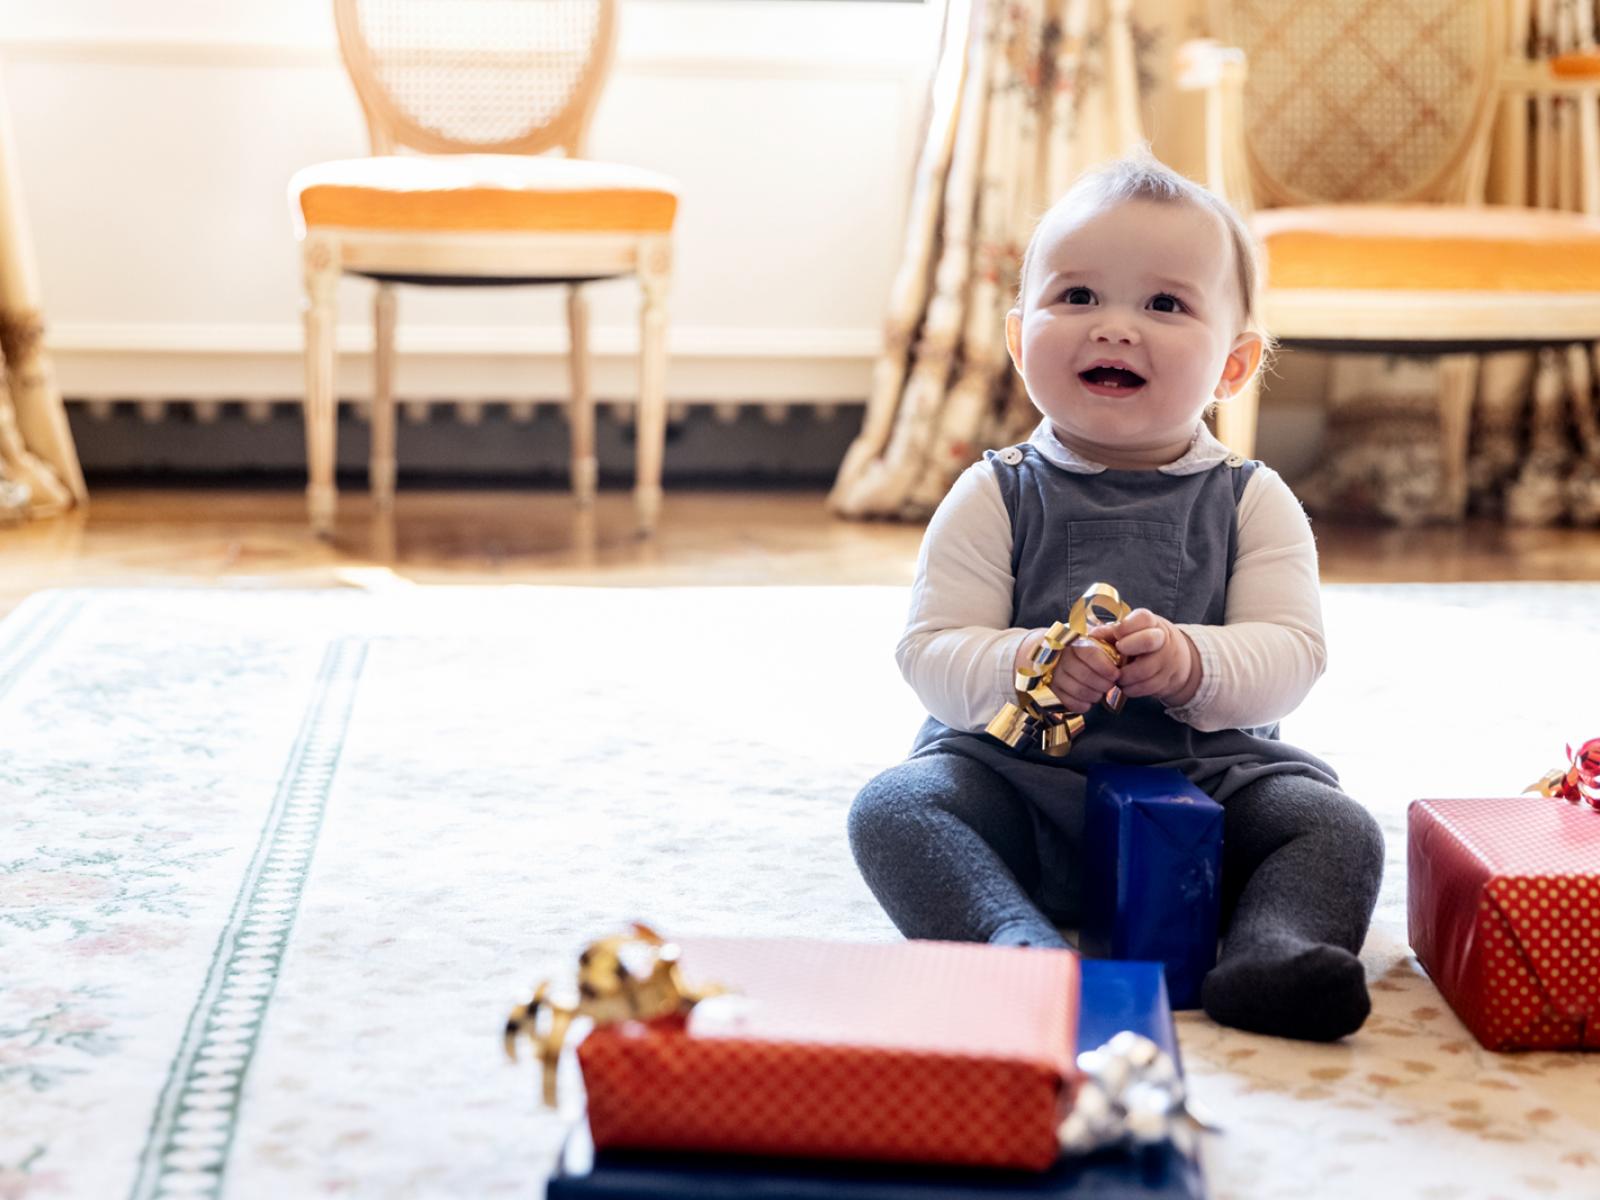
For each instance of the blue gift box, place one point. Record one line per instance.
(1115, 996)
(1152, 873)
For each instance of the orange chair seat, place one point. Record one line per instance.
(1430, 247)
(1576, 64)
(483, 193)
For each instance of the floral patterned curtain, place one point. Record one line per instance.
(39, 473)
(1026, 94)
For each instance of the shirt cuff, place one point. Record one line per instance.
(1006, 675)
(1210, 681)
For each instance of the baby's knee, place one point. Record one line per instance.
(1359, 833)
(1286, 808)
(902, 797)
(879, 808)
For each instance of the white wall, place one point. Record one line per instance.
(154, 142)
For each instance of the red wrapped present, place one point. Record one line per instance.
(1504, 912)
(932, 1052)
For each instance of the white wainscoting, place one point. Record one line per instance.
(155, 142)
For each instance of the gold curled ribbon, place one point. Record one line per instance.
(629, 977)
(1579, 781)
(1036, 708)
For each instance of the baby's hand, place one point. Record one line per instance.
(1083, 674)
(1158, 658)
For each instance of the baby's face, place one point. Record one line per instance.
(1130, 321)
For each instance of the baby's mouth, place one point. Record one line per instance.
(1111, 381)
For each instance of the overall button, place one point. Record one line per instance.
(1011, 456)
(1235, 460)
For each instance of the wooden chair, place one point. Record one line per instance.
(478, 91)
(1363, 133)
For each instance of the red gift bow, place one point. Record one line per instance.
(1579, 782)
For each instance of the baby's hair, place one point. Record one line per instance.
(1141, 176)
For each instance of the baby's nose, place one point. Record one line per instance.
(1115, 331)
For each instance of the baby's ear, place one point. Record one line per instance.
(1243, 361)
(1014, 337)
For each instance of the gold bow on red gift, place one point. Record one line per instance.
(1579, 781)
(629, 977)
(1037, 709)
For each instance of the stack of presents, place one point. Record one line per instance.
(803, 1070)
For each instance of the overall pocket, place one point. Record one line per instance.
(1143, 560)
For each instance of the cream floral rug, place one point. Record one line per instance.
(275, 865)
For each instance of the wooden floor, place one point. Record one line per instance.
(167, 536)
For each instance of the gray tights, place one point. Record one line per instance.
(947, 846)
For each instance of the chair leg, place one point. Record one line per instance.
(585, 466)
(381, 461)
(1236, 418)
(1588, 162)
(1458, 382)
(321, 402)
(655, 272)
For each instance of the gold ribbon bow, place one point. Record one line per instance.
(630, 977)
(1037, 709)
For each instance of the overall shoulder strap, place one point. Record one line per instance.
(1008, 467)
(1242, 468)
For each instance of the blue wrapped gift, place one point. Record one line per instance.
(1115, 996)
(1152, 874)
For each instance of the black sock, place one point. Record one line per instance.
(1289, 988)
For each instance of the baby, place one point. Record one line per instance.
(1135, 314)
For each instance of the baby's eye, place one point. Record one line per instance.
(1166, 303)
(1079, 295)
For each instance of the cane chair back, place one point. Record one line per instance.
(1372, 101)
(477, 76)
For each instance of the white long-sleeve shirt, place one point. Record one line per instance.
(958, 651)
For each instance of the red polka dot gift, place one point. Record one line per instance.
(1504, 908)
(914, 1052)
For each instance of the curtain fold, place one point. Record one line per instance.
(1025, 95)
(39, 471)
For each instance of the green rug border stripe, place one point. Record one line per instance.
(17, 652)
(213, 1059)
